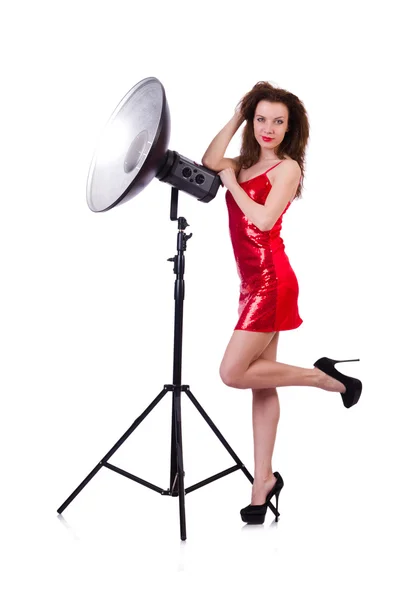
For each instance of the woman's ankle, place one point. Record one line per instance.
(260, 478)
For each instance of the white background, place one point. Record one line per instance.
(87, 306)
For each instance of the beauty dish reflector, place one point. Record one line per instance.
(133, 149)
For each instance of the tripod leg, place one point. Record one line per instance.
(113, 450)
(79, 488)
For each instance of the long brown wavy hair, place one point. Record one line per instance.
(295, 139)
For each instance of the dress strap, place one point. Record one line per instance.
(273, 166)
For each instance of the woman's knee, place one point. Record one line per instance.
(229, 375)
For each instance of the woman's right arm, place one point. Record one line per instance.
(213, 157)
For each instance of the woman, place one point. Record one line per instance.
(261, 184)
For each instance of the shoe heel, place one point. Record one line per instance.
(350, 360)
(278, 514)
(324, 362)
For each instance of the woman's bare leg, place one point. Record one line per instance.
(265, 418)
(242, 368)
(243, 350)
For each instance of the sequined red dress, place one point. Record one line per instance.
(269, 288)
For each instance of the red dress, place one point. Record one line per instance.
(269, 288)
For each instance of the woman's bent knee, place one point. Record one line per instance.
(229, 376)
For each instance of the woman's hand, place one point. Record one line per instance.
(228, 177)
(238, 115)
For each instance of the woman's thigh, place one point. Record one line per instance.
(270, 352)
(243, 348)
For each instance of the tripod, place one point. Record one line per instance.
(177, 473)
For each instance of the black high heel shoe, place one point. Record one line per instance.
(353, 386)
(255, 513)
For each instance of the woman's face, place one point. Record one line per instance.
(270, 121)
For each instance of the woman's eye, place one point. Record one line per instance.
(278, 120)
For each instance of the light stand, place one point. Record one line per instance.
(177, 473)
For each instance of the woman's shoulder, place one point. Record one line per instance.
(288, 169)
(289, 159)
(291, 164)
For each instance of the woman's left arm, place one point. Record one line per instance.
(283, 190)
